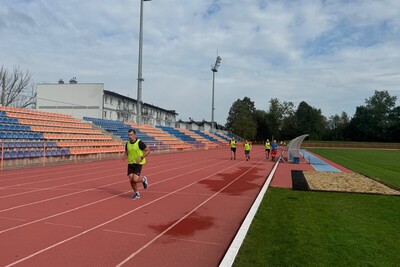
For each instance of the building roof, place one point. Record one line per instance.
(107, 92)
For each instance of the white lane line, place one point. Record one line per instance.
(124, 233)
(184, 217)
(233, 249)
(114, 219)
(13, 219)
(91, 189)
(196, 241)
(58, 169)
(63, 225)
(78, 182)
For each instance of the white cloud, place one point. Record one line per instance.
(331, 54)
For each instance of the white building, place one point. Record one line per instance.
(204, 126)
(91, 100)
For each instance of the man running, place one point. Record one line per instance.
(274, 150)
(136, 152)
(267, 148)
(233, 144)
(247, 148)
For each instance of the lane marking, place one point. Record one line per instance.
(122, 232)
(91, 189)
(112, 220)
(196, 241)
(182, 218)
(14, 219)
(78, 182)
(63, 225)
(233, 249)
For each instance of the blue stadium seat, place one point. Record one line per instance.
(7, 155)
(39, 153)
(20, 154)
(65, 152)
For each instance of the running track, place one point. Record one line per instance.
(82, 215)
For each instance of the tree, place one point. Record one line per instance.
(336, 127)
(275, 115)
(310, 121)
(289, 129)
(17, 88)
(394, 128)
(263, 130)
(241, 119)
(375, 121)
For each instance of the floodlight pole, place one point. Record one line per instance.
(214, 69)
(140, 76)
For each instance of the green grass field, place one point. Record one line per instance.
(299, 228)
(383, 165)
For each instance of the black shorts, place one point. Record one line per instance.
(247, 152)
(233, 149)
(267, 150)
(135, 169)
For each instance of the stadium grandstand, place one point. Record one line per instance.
(33, 137)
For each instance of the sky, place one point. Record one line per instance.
(332, 54)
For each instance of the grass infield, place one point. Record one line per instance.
(300, 228)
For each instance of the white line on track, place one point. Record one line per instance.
(196, 241)
(112, 220)
(122, 232)
(173, 163)
(90, 189)
(58, 170)
(233, 249)
(184, 217)
(98, 201)
(14, 219)
(106, 164)
(63, 225)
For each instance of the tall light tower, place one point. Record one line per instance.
(214, 70)
(140, 77)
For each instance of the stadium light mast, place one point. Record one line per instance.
(140, 76)
(214, 69)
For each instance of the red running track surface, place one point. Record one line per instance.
(82, 215)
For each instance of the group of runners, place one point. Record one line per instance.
(271, 149)
(136, 152)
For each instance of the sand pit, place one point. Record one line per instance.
(346, 182)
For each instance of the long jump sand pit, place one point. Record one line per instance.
(346, 182)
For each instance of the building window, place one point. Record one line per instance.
(110, 100)
(105, 114)
(106, 99)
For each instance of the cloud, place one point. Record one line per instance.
(331, 54)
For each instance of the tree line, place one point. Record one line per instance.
(376, 121)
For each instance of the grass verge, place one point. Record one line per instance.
(300, 228)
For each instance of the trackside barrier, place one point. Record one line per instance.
(233, 249)
(83, 153)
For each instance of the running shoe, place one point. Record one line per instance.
(135, 196)
(145, 183)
